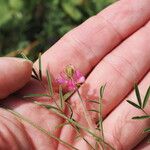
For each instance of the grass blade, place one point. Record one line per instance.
(138, 95)
(146, 97)
(133, 104)
(35, 95)
(141, 117)
(49, 80)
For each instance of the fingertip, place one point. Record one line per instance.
(15, 73)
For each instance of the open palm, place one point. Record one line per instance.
(112, 47)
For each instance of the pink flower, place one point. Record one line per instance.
(71, 78)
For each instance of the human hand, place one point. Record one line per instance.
(110, 48)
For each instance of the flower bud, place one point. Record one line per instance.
(69, 71)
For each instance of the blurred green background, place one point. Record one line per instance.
(35, 25)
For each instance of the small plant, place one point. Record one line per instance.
(71, 79)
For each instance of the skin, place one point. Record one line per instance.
(112, 47)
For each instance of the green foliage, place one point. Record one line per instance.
(23, 21)
(141, 105)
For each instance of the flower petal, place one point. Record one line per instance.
(71, 85)
(81, 80)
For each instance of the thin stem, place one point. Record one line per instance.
(44, 87)
(86, 114)
(70, 124)
(40, 129)
(101, 119)
(76, 128)
(84, 139)
(82, 127)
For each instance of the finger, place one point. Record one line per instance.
(87, 44)
(14, 74)
(119, 70)
(13, 133)
(125, 133)
(144, 145)
(125, 59)
(42, 118)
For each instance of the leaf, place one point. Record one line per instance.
(138, 94)
(40, 67)
(61, 97)
(133, 104)
(102, 89)
(36, 95)
(46, 106)
(72, 11)
(35, 76)
(77, 2)
(16, 4)
(67, 95)
(5, 13)
(100, 123)
(49, 80)
(141, 117)
(147, 130)
(93, 110)
(146, 97)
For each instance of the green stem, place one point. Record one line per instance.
(100, 117)
(40, 129)
(82, 127)
(86, 141)
(86, 114)
(101, 120)
(41, 104)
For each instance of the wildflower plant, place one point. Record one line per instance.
(71, 79)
